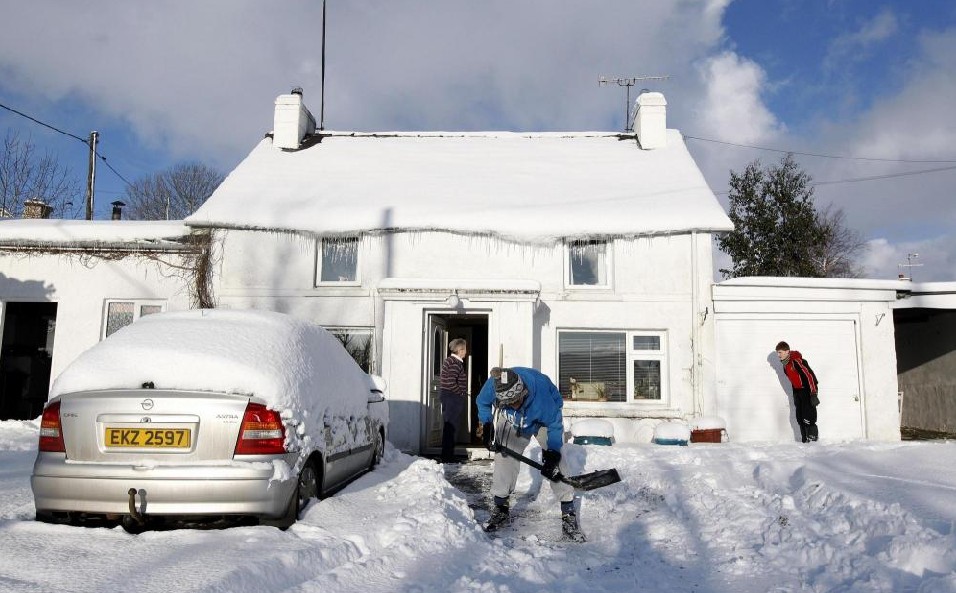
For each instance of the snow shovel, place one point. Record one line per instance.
(589, 481)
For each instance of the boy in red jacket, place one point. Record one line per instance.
(804, 382)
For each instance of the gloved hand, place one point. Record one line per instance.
(488, 436)
(551, 461)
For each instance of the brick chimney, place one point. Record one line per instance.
(650, 120)
(292, 122)
(36, 209)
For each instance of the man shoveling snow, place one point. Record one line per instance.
(515, 404)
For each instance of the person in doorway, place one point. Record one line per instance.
(513, 405)
(453, 392)
(804, 382)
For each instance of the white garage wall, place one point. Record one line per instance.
(844, 329)
(754, 395)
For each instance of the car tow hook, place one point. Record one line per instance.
(137, 516)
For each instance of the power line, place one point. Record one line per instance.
(46, 125)
(83, 140)
(870, 178)
(110, 167)
(820, 155)
(887, 176)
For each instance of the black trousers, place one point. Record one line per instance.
(451, 407)
(806, 414)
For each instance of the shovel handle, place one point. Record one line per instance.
(512, 453)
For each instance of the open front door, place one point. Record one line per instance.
(437, 348)
(26, 359)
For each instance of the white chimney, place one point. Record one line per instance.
(650, 120)
(292, 121)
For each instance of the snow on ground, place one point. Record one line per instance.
(703, 518)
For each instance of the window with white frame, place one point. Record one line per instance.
(357, 342)
(588, 264)
(337, 260)
(612, 366)
(119, 314)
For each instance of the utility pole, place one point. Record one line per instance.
(91, 179)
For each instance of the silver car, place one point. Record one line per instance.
(162, 453)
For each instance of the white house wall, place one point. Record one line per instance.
(81, 286)
(657, 283)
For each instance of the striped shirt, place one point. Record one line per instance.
(453, 378)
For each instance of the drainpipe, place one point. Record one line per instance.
(696, 353)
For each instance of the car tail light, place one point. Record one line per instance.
(261, 433)
(51, 432)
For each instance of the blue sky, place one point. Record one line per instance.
(170, 81)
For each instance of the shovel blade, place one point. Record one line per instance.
(594, 480)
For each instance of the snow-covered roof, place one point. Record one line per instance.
(529, 188)
(834, 283)
(40, 232)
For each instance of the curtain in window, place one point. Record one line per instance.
(118, 316)
(592, 366)
(588, 263)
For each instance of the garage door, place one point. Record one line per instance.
(753, 394)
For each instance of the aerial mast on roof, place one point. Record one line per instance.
(628, 83)
(910, 265)
(322, 100)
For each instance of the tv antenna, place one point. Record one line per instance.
(909, 264)
(628, 83)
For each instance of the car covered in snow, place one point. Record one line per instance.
(206, 416)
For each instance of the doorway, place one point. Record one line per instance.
(26, 356)
(441, 329)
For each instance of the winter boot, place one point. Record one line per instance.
(500, 517)
(569, 526)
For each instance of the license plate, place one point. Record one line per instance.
(161, 438)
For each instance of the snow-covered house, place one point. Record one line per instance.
(66, 284)
(586, 255)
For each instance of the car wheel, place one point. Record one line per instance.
(306, 488)
(308, 485)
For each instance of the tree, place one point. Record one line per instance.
(837, 255)
(26, 175)
(778, 231)
(172, 194)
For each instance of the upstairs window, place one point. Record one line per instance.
(338, 261)
(587, 264)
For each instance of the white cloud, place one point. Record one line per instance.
(198, 79)
(732, 107)
(912, 213)
(853, 46)
(929, 260)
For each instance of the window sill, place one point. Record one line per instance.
(573, 409)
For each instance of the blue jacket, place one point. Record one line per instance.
(541, 407)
